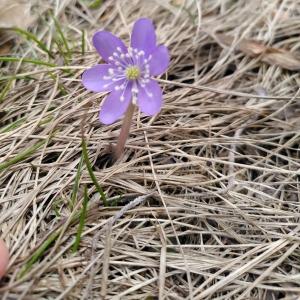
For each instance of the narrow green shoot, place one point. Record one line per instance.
(62, 36)
(46, 120)
(21, 156)
(5, 90)
(13, 125)
(31, 37)
(38, 253)
(95, 4)
(17, 76)
(61, 50)
(91, 173)
(26, 60)
(82, 42)
(81, 220)
(60, 85)
(56, 210)
(116, 200)
(76, 184)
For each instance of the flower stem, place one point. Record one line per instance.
(118, 150)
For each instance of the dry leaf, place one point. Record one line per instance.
(270, 55)
(14, 13)
(177, 2)
(5, 47)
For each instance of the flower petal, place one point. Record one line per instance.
(149, 98)
(143, 36)
(160, 60)
(106, 44)
(113, 108)
(94, 79)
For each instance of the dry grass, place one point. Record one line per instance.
(207, 191)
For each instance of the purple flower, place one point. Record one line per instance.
(127, 74)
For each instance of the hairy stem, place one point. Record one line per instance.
(118, 150)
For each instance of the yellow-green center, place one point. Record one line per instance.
(132, 73)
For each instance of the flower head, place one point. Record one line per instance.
(128, 72)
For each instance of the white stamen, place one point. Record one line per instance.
(122, 98)
(111, 71)
(110, 58)
(119, 49)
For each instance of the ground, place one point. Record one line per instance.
(203, 204)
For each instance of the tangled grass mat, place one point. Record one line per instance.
(204, 203)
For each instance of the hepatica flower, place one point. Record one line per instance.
(128, 72)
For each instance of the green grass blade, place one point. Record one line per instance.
(91, 173)
(31, 37)
(17, 76)
(45, 246)
(46, 120)
(56, 210)
(95, 4)
(60, 85)
(81, 220)
(62, 36)
(26, 60)
(13, 125)
(5, 90)
(83, 42)
(38, 253)
(61, 50)
(21, 156)
(76, 184)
